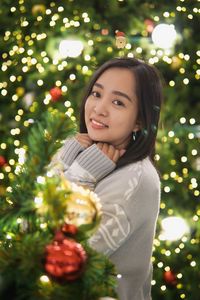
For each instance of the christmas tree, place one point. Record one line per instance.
(46, 222)
(50, 49)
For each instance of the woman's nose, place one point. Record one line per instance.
(100, 108)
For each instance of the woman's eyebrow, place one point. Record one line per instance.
(99, 85)
(114, 92)
(122, 94)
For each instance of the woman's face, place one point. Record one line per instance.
(111, 109)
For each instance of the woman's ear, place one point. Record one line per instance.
(137, 126)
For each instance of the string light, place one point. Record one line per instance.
(44, 279)
(70, 48)
(173, 228)
(164, 35)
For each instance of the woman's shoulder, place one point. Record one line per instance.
(139, 168)
(142, 174)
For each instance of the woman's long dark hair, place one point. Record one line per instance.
(149, 95)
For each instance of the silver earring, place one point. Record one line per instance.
(134, 136)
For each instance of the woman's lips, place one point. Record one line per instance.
(97, 124)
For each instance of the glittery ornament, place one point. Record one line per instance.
(120, 39)
(83, 207)
(55, 93)
(170, 278)
(65, 258)
(2, 161)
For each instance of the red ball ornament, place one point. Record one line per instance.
(65, 260)
(69, 228)
(2, 161)
(55, 93)
(170, 278)
(59, 236)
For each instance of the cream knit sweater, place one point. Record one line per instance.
(130, 197)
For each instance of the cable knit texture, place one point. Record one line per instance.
(130, 197)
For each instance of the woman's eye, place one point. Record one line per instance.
(118, 102)
(95, 94)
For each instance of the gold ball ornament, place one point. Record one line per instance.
(83, 207)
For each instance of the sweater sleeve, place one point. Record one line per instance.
(65, 156)
(89, 167)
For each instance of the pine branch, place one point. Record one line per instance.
(44, 140)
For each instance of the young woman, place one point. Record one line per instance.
(112, 155)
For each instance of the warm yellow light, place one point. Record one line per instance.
(171, 133)
(173, 162)
(166, 14)
(43, 225)
(167, 189)
(67, 103)
(3, 146)
(168, 253)
(160, 264)
(164, 36)
(44, 279)
(84, 69)
(72, 76)
(186, 81)
(191, 136)
(73, 118)
(64, 88)
(70, 48)
(172, 83)
(176, 140)
(11, 162)
(183, 159)
(182, 120)
(173, 228)
(190, 16)
(192, 121)
(193, 263)
(185, 171)
(180, 179)
(173, 174)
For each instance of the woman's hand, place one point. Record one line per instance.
(109, 150)
(84, 139)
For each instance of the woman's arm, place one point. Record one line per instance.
(89, 167)
(63, 159)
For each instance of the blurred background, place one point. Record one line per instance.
(49, 50)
